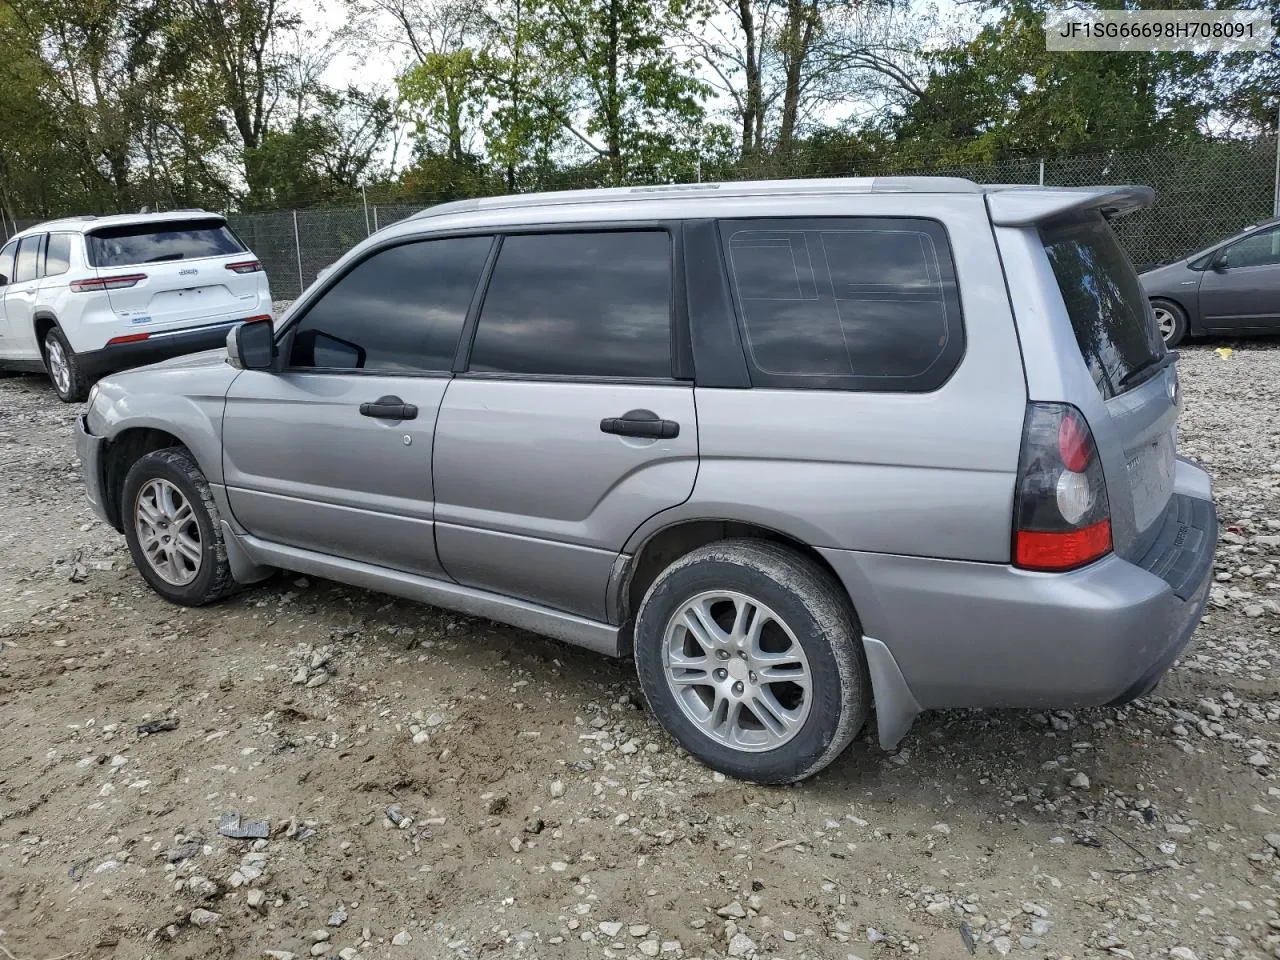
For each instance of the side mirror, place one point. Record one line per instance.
(1219, 262)
(252, 345)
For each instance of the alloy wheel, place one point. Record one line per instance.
(737, 671)
(168, 532)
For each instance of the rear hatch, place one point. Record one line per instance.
(1130, 366)
(187, 272)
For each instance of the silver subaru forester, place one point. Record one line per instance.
(803, 448)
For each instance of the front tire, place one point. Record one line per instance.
(750, 655)
(1171, 320)
(173, 530)
(68, 378)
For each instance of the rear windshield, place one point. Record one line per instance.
(1105, 302)
(156, 243)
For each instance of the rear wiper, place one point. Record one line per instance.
(166, 256)
(1152, 364)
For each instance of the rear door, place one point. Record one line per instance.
(323, 455)
(567, 428)
(1242, 292)
(1131, 404)
(185, 272)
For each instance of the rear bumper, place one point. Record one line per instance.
(157, 347)
(966, 634)
(89, 450)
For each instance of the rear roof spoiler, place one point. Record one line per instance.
(1015, 206)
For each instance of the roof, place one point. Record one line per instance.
(1010, 204)
(87, 224)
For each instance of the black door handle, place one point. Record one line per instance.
(389, 408)
(640, 423)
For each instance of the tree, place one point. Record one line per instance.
(237, 70)
(1003, 94)
(641, 101)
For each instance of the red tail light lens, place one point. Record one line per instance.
(107, 283)
(1062, 519)
(129, 338)
(245, 266)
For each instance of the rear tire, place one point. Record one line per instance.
(1171, 320)
(173, 529)
(68, 378)
(750, 655)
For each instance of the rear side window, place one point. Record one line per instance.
(578, 305)
(6, 261)
(1105, 302)
(57, 255)
(845, 303)
(28, 263)
(160, 242)
(399, 311)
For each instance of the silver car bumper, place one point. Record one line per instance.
(89, 450)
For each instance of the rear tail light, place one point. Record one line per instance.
(107, 283)
(245, 266)
(1062, 519)
(128, 338)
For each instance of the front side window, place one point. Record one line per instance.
(161, 242)
(1104, 300)
(1259, 250)
(27, 266)
(401, 310)
(845, 303)
(578, 305)
(57, 256)
(6, 261)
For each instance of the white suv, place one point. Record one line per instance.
(88, 296)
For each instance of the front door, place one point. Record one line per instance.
(333, 453)
(568, 429)
(20, 301)
(1242, 293)
(7, 255)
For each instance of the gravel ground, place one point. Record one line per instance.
(435, 786)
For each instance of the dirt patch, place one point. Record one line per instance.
(540, 810)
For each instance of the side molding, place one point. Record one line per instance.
(600, 637)
(896, 707)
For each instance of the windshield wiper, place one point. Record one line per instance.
(166, 256)
(1152, 365)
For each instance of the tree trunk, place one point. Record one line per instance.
(802, 17)
(753, 108)
(613, 122)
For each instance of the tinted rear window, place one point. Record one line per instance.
(846, 303)
(157, 243)
(1105, 302)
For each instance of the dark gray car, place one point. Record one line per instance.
(1232, 287)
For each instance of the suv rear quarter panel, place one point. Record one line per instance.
(1056, 372)
(924, 474)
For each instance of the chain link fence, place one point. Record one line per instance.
(1205, 192)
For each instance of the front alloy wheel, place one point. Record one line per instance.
(168, 532)
(173, 530)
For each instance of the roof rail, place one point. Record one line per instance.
(734, 188)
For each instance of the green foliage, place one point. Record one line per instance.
(1003, 94)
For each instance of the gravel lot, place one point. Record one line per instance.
(541, 811)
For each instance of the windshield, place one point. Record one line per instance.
(1105, 302)
(161, 242)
